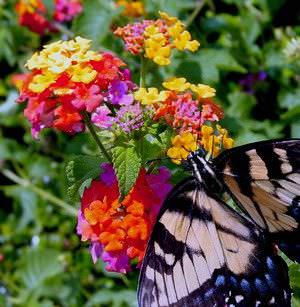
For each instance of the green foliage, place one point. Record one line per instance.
(80, 171)
(127, 164)
(42, 261)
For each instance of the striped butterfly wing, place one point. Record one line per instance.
(264, 178)
(203, 253)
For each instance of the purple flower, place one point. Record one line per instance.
(129, 117)
(249, 82)
(118, 93)
(107, 176)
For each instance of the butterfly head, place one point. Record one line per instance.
(202, 169)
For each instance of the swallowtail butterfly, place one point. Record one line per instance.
(204, 253)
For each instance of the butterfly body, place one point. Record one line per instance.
(204, 253)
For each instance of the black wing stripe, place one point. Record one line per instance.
(271, 161)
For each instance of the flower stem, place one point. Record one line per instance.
(95, 137)
(44, 194)
(69, 34)
(143, 72)
(195, 13)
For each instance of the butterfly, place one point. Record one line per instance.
(202, 252)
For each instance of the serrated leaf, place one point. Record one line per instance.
(38, 265)
(127, 164)
(79, 170)
(95, 20)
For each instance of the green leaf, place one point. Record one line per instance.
(213, 60)
(295, 129)
(241, 105)
(289, 99)
(113, 298)
(127, 165)
(94, 22)
(292, 114)
(149, 148)
(49, 6)
(28, 201)
(38, 266)
(80, 169)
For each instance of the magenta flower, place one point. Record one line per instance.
(66, 10)
(102, 117)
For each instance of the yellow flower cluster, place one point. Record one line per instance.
(132, 8)
(152, 95)
(63, 56)
(158, 45)
(182, 145)
(214, 142)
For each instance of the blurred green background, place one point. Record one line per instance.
(243, 54)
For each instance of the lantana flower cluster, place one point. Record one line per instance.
(132, 8)
(119, 231)
(67, 79)
(33, 14)
(155, 39)
(183, 106)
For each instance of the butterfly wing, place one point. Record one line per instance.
(203, 253)
(264, 178)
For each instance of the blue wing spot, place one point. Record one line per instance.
(233, 282)
(270, 264)
(209, 293)
(246, 286)
(271, 282)
(220, 281)
(261, 286)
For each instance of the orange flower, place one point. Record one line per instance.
(121, 229)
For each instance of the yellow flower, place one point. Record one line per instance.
(150, 96)
(227, 142)
(182, 145)
(63, 91)
(36, 62)
(206, 130)
(214, 143)
(82, 73)
(175, 30)
(169, 19)
(176, 84)
(40, 82)
(78, 44)
(151, 30)
(58, 63)
(156, 51)
(203, 91)
(183, 41)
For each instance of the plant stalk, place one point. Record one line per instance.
(44, 194)
(95, 137)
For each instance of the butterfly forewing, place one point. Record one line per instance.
(202, 253)
(264, 178)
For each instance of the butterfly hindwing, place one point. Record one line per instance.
(202, 253)
(264, 178)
